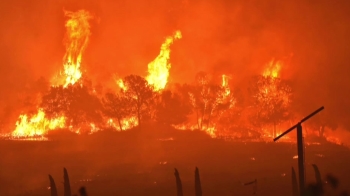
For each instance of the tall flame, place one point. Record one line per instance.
(273, 69)
(76, 40)
(158, 69)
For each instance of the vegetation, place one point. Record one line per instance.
(178, 183)
(295, 189)
(319, 188)
(209, 103)
(328, 187)
(53, 187)
(197, 181)
(67, 190)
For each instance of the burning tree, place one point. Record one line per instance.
(209, 100)
(272, 97)
(116, 106)
(74, 102)
(139, 93)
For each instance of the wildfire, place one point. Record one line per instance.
(36, 125)
(158, 69)
(76, 40)
(224, 85)
(125, 124)
(120, 83)
(273, 69)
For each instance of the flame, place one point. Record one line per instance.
(273, 69)
(211, 131)
(76, 40)
(36, 125)
(126, 123)
(224, 85)
(158, 69)
(121, 84)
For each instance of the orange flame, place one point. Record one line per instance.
(36, 125)
(120, 83)
(126, 123)
(158, 69)
(77, 38)
(224, 84)
(273, 69)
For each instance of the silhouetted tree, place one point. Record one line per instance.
(75, 102)
(139, 93)
(116, 106)
(171, 109)
(208, 99)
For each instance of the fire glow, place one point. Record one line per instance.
(158, 69)
(211, 105)
(76, 40)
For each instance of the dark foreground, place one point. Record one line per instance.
(142, 163)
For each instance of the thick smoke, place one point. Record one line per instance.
(232, 37)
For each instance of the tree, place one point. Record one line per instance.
(171, 109)
(209, 100)
(116, 106)
(139, 93)
(75, 102)
(272, 98)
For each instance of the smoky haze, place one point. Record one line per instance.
(220, 37)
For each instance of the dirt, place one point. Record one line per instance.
(142, 163)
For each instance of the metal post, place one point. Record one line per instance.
(300, 144)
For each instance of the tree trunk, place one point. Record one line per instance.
(120, 124)
(209, 117)
(138, 115)
(203, 114)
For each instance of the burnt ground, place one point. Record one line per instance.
(142, 163)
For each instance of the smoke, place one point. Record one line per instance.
(221, 37)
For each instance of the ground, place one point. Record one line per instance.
(142, 162)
